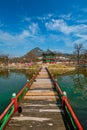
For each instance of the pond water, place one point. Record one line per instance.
(76, 87)
(11, 81)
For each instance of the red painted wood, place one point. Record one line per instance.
(72, 113)
(6, 110)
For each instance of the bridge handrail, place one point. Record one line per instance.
(6, 110)
(74, 122)
(66, 105)
(13, 106)
(55, 82)
(72, 118)
(27, 86)
(6, 115)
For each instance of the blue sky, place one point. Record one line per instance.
(53, 24)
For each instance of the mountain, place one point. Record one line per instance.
(37, 51)
(32, 56)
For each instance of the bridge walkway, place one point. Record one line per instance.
(41, 107)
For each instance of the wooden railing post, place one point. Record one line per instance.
(28, 83)
(14, 99)
(64, 96)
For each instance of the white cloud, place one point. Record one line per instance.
(9, 40)
(27, 19)
(14, 44)
(66, 16)
(82, 38)
(42, 18)
(28, 37)
(81, 21)
(24, 34)
(70, 34)
(61, 26)
(34, 28)
(6, 37)
(45, 17)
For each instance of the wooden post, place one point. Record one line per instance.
(14, 99)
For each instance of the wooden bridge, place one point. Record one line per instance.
(43, 107)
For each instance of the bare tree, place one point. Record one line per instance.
(4, 59)
(78, 51)
(85, 56)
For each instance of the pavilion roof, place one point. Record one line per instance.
(49, 52)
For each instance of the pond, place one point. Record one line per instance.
(12, 81)
(75, 85)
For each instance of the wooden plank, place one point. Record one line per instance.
(43, 90)
(41, 87)
(49, 98)
(27, 118)
(41, 94)
(42, 84)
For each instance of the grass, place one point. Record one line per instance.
(59, 69)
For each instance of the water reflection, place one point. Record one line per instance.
(12, 81)
(75, 85)
(79, 78)
(4, 73)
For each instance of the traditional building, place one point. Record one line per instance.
(49, 57)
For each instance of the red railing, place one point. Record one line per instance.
(6, 110)
(13, 106)
(55, 82)
(66, 103)
(59, 89)
(72, 119)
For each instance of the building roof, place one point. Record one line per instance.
(49, 52)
